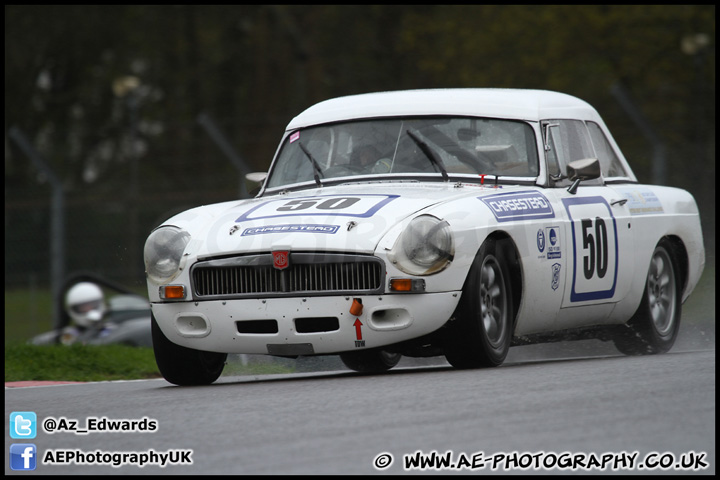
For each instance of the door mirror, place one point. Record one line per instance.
(579, 170)
(254, 181)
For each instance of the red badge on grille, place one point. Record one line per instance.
(281, 260)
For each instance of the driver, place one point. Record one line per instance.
(367, 158)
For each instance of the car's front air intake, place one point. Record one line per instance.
(307, 274)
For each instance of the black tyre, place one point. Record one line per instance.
(655, 325)
(480, 334)
(185, 366)
(370, 361)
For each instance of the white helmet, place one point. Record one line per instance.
(85, 304)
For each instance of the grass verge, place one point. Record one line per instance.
(78, 363)
(94, 363)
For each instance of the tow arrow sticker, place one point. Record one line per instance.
(359, 342)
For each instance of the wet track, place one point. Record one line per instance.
(548, 405)
(339, 422)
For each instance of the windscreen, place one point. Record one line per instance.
(392, 147)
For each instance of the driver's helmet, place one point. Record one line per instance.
(85, 304)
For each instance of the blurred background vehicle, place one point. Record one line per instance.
(90, 316)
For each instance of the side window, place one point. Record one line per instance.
(609, 162)
(550, 149)
(568, 140)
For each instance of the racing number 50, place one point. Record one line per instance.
(329, 204)
(593, 272)
(596, 259)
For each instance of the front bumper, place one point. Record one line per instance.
(303, 325)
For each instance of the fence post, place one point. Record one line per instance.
(221, 141)
(57, 222)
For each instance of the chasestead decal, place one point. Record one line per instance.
(511, 206)
(291, 228)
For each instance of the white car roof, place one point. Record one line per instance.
(529, 105)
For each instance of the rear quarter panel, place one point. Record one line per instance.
(659, 212)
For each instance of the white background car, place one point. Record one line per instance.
(422, 223)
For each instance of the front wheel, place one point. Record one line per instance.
(370, 361)
(185, 366)
(480, 334)
(655, 325)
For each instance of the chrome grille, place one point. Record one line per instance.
(308, 274)
(235, 280)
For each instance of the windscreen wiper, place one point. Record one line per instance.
(430, 154)
(316, 167)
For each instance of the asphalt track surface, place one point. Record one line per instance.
(635, 413)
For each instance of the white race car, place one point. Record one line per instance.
(432, 222)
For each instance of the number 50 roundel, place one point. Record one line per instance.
(595, 248)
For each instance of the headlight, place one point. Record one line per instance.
(424, 247)
(163, 251)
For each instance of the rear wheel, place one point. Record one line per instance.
(655, 325)
(370, 361)
(481, 332)
(185, 366)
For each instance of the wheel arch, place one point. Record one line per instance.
(509, 253)
(679, 253)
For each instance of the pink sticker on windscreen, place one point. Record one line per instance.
(294, 136)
